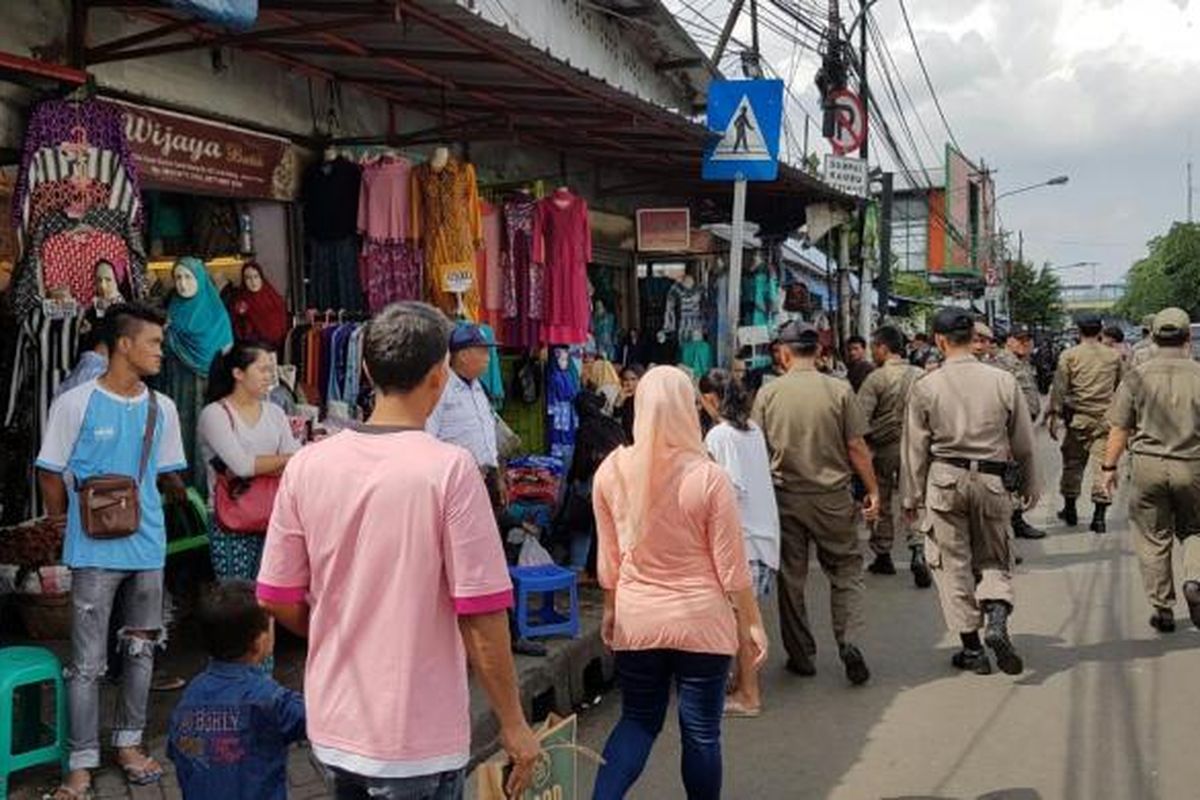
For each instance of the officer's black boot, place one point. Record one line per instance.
(1022, 529)
(1163, 620)
(1191, 593)
(922, 577)
(996, 635)
(882, 565)
(1069, 515)
(972, 657)
(1099, 523)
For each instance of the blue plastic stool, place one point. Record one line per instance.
(21, 670)
(546, 581)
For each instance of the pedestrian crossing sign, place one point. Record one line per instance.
(744, 119)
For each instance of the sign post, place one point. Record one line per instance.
(744, 119)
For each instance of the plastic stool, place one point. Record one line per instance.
(546, 621)
(21, 669)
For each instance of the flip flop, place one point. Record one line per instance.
(143, 775)
(65, 792)
(739, 711)
(168, 683)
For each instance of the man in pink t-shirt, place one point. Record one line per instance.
(383, 550)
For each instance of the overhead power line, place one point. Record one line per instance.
(924, 71)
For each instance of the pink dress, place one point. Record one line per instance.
(565, 248)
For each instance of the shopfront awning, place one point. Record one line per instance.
(481, 83)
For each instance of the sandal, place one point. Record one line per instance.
(168, 683)
(147, 773)
(64, 792)
(736, 710)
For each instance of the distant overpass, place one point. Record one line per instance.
(1091, 297)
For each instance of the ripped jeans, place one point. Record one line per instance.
(93, 595)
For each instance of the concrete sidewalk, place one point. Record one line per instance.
(574, 672)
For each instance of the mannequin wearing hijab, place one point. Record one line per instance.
(257, 311)
(198, 329)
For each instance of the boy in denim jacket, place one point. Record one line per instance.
(230, 733)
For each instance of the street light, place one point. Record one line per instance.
(1059, 180)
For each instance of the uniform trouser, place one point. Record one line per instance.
(966, 533)
(887, 471)
(827, 521)
(1165, 504)
(1084, 437)
(93, 595)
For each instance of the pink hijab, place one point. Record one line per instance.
(666, 445)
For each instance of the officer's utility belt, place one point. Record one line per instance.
(998, 468)
(1008, 471)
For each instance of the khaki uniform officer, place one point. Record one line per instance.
(964, 424)
(884, 399)
(1157, 414)
(814, 430)
(1014, 359)
(1084, 384)
(1144, 350)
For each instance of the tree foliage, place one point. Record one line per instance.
(1035, 297)
(1169, 275)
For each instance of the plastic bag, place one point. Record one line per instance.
(533, 554)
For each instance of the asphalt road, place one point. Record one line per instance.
(1107, 707)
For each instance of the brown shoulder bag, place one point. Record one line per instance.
(110, 505)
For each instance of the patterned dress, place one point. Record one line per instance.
(447, 223)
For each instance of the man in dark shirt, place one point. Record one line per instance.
(858, 366)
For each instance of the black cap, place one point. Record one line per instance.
(953, 320)
(797, 332)
(1020, 331)
(1089, 319)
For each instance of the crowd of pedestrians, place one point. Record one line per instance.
(707, 498)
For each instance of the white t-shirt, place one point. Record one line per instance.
(743, 454)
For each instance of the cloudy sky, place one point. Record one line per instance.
(1104, 91)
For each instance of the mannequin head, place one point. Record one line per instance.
(688, 281)
(441, 157)
(562, 357)
(252, 279)
(106, 280)
(186, 285)
(598, 308)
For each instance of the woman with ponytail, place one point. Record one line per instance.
(738, 445)
(247, 437)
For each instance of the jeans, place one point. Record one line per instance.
(442, 786)
(93, 594)
(645, 680)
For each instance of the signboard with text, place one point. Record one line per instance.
(847, 175)
(182, 153)
(664, 230)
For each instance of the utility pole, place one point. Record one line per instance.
(886, 201)
(865, 289)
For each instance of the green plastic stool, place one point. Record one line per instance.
(21, 670)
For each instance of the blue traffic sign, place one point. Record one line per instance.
(744, 118)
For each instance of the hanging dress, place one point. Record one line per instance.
(447, 224)
(565, 248)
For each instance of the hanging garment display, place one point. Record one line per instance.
(604, 330)
(524, 287)
(447, 224)
(488, 267)
(684, 312)
(696, 356)
(63, 251)
(564, 247)
(331, 199)
(562, 385)
(81, 142)
(256, 310)
(333, 274)
(760, 298)
(389, 265)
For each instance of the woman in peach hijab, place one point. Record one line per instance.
(678, 598)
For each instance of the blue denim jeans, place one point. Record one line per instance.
(645, 678)
(442, 786)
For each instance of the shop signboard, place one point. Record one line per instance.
(182, 153)
(664, 230)
(847, 175)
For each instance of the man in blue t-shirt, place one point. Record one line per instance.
(97, 428)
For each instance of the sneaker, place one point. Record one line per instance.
(1163, 620)
(1191, 593)
(856, 666)
(882, 565)
(976, 661)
